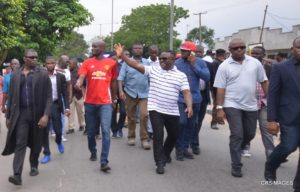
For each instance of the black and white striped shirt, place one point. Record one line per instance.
(164, 89)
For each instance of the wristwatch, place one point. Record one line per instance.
(115, 100)
(219, 107)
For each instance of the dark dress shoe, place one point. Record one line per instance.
(168, 159)
(188, 154)
(179, 155)
(34, 171)
(93, 157)
(105, 168)
(15, 179)
(236, 172)
(196, 150)
(270, 175)
(70, 131)
(160, 169)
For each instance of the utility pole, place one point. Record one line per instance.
(187, 32)
(112, 25)
(263, 25)
(200, 35)
(171, 23)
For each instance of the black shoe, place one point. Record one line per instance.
(105, 167)
(285, 160)
(188, 154)
(15, 179)
(81, 128)
(70, 131)
(179, 155)
(270, 175)
(196, 150)
(168, 159)
(34, 171)
(85, 132)
(150, 135)
(160, 169)
(236, 172)
(93, 156)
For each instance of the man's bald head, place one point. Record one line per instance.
(237, 48)
(98, 48)
(236, 41)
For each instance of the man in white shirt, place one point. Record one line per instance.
(235, 81)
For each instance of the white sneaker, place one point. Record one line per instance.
(246, 153)
(64, 139)
(53, 134)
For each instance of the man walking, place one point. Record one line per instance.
(165, 84)
(101, 89)
(194, 69)
(76, 105)
(284, 108)
(236, 97)
(59, 95)
(135, 93)
(28, 110)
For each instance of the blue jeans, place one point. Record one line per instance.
(187, 126)
(289, 142)
(103, 112)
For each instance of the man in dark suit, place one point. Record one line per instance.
(59, 93)
(28, 110)
(284, 108)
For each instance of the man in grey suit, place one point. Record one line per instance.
(28, 109)
(284, 108)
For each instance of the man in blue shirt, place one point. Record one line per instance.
(194, 68)
(14, 64)
(135, 94)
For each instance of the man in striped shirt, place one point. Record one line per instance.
(166, 82)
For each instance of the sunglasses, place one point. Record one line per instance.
(237, 48)
(163, 58)
(31, 57)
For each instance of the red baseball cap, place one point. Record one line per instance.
(188, 46)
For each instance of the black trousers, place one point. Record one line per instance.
(117, 125)
(199, 120)
(55, 117)
(23, 132)
(163, 149)
(242, 125)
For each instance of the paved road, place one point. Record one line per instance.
(133, 169)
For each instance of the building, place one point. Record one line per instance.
(273, 40)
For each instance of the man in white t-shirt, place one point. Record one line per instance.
(235, 81)
(166, 81)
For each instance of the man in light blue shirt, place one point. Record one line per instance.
(135, 94)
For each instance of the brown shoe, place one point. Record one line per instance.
(146, 145)
(131, 142)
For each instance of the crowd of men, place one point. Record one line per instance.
(161, 91)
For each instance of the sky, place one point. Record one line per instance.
(224, 16)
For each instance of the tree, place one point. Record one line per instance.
(11, 29)
(207, 36)
(45, 23)
(73, 45)
(149, 25)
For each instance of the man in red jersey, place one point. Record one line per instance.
(101, 74)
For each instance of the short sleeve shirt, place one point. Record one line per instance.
(164, 90)
(239, 81)
(99, 74)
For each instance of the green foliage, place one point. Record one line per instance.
(73, 45)
(11, 30)
(207, 36)
(43, 24)
(148, 25)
